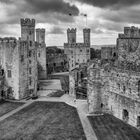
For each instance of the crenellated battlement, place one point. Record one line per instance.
(86, 30)
(73, 30)
(27, 22)
(40, 30)
(130, 32)
(8, 39)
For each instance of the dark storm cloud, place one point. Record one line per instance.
(49, 11)
(111, 3)
(41, 6)
(128, 15)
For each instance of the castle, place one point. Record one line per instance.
(77, 54)
(114, 85)
(18, 59)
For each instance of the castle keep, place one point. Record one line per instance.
(18, 58)
(77, 54)
(114, 86)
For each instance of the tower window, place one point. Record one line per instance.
(38, 54)
(30, 53)
(9, 73)
(30, 43)
(30, 81)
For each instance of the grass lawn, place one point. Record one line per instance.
(107, 127)
(64, 80)
(43, 121)
(58, 93)
(6, 106)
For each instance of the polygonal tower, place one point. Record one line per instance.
(71, 34)
(86, 35)
(27, 29)
(40, 35)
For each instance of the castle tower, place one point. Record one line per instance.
(71, 35)
(86, 35)
(40, 35)
(27, 29)
(95, 103)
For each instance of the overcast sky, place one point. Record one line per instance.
(106, 18)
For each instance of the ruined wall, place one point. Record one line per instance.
(23, 69)
(117, 90)
(72, 83)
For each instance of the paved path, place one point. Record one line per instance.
(16, 110)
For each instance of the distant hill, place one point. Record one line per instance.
(92, 46)
(100, 46)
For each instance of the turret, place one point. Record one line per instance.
(71, 34)
(27, 29)
(40, 35)
(86, 35)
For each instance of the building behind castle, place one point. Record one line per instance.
(114, 85)
(18, 59)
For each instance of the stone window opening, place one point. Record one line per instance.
(138, 122)
(139, 88)
(114, 55)
(124, 89)
(125, 115)
(9, 73)
(30, 81)
(102, 105)
(30, 70)
(30, 43)
(38, 54)
(30, 53)
(119, 85)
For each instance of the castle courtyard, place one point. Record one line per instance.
(43, 120)
(60, 118)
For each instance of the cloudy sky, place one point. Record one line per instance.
(106, 18)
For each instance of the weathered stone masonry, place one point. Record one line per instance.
(115, 88)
